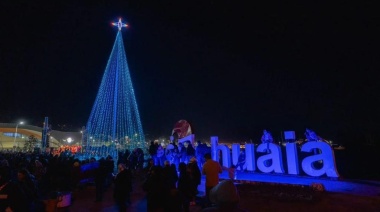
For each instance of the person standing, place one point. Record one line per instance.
(190, 151)
(241, 160)
(170, 176)
(12, 198)
(26, 182)
(199, 152)
(176, 157)
(149, 168)
(169, 152)
(311, 136)
(110, 167)
(100, 179)
(211, 169)
(153, 152)
(161, 156)
(195, 176)
(267, 138)
(184, 187)
(182, 153)
(154, 187)
(123, 187)
(169, 181)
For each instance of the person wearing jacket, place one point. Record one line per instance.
(122, 187)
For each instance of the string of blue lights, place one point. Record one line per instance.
(115, 119)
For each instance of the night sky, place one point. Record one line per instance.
(230, 69)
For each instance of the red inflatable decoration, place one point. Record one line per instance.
(182, 128)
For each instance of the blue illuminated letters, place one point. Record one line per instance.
(272, 161)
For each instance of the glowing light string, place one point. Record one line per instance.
(115, 119)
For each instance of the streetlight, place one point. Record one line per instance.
(14, 141)
(69, 140)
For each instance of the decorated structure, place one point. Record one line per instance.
(114, 123)
(183, 132)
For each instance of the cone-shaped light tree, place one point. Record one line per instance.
(115, 119)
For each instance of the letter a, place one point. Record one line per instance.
(274, 155)
(327, 157)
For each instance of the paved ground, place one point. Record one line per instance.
(354, 187)
(84, 200)
(349, 196)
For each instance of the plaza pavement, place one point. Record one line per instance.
(356, 192)
(84, 199)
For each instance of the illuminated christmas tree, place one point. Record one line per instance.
(114, 120)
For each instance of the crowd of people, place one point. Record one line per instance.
(175, 154)
(26, 179)
(29, 180)
(172, 185)
(171, 177)
(173, 173)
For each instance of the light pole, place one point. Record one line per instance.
(14, 141)
(81, 142)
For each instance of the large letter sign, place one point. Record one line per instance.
(327, 157)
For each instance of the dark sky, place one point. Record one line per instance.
(230, 69)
